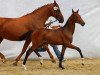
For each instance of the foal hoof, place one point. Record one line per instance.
(82, 64)
(15, 64)
(41, 63)
(62, 67)
(24, 67)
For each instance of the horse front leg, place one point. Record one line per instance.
(79, 50)
(27, 42)
(50, 54)
(62, 56)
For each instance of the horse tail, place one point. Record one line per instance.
(26, 35)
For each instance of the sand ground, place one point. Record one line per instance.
(72, 67)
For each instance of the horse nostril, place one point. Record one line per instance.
(61, 20)
(83, 24)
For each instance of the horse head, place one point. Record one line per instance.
(55, 12)
(77, 18)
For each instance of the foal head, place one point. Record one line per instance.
(55, 12)
(77, 18)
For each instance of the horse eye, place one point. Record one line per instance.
(57, 11)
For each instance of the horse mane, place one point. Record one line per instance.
(38, 9)
(66, 24)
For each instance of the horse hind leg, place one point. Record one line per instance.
(79, 50)
(27, 42)
(33, 48)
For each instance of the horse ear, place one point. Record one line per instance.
(77, 11)
(55, 2)
(72, 11)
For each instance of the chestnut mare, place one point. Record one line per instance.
(62, 36)
(18, 29)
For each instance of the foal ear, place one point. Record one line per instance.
(72, 11)
(55, 3)
(77, 11)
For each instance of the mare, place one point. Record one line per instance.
(18, 29)
(61, 36)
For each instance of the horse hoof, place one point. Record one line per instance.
(15, 64)
(24, 67)
(62, 67)
(41, 62)
(83, 64)
(4, 61)
(53, 61)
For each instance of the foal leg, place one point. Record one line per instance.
(50, 54)
(1, 55)
(61, 57)
(27, 42)
(37, 53)
(27, 55)
(40, 57)
(78, 49)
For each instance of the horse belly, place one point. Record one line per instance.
(54, 40)
(12, 33)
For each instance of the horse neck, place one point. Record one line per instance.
(70, 26)
(42, 14)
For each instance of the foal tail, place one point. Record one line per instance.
(26, 35)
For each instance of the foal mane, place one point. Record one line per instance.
(38, 9)
(66, 24)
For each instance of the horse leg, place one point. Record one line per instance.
(61, 57)
(37, 53)
(40, 57)
(50, 54)
(79, 50)
(27, 55)
(27, 42)
(1, 55)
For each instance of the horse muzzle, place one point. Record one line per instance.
(61, 20)
(83, 24)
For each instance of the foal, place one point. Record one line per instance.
(62, 36)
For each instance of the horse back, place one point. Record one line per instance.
(52, 36)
